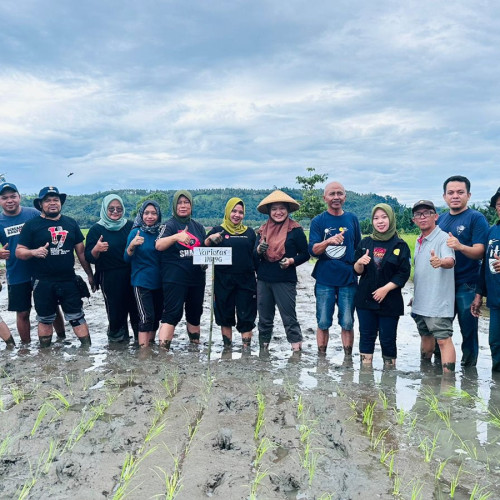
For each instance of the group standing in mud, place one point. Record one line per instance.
(146, 273)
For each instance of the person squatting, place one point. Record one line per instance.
(147, 276)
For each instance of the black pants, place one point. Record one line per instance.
(235, 292)
(120, 303)
(149, 306)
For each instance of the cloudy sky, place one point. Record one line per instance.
(387, 97)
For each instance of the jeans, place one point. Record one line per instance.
(371, 324)
(464, 295)
(327, 297)
(494, 338)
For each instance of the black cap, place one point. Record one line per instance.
(494, 198)
(48, 191)
(8, 185)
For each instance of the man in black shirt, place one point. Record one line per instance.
(48, 242)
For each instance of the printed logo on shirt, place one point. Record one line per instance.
(493, 251)
(58, 236)
(460, 229)
(13, 230)
(334, 251)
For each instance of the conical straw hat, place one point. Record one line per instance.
(277, 197)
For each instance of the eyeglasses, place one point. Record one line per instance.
(118, 210)
(422, 215)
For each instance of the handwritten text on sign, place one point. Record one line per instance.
(205, 255)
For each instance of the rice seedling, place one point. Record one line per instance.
(311, 466)
(160, 406)
(261, 407)
(396, 485)
(413, 424)
(87, 382)
(391, 465)
(85, 425)
(493, 417)
(454, 482)
(193, 429)
(171, 382)
(300, 406)
(207, 382)
(469, 448)
(42, 412)
(375, 440)
(259, 477)
(172, 481)
(385, 455)
(26, 488)
(454, 392)
(48, 456)
(18, 394)
(440, 468)
(154, 430)
(5, 446)
(428, 447)
(129, 469)
(305, 432)
(58, 395)
(383, 398)
(368, 416)
(416, 490)
(326, 496)
(265, 445)
(401, 415)
(479, 493)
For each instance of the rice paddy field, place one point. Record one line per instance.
(120, 422)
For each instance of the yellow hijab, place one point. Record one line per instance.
(227, 223)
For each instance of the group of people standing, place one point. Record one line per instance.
(146, 273)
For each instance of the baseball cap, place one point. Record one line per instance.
(8, 185)
(423, 203)
(494, 198)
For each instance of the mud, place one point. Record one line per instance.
(108, 422)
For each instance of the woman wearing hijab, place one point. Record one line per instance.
(145, 264)
(183, 282)
(234, 285)
(384, 262)
(281, 246)
(104, 247)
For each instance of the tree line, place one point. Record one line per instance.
(209, 204)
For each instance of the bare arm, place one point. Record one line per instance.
(80, 253)
(25, 253)
(320, 248)
(475, 252)
(166, 242)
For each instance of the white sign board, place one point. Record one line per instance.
(207, 255)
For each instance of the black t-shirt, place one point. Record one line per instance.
(242, 253)
(177, 260)
(117, 240)
(62, 235)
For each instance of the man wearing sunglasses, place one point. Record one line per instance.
(48, 242)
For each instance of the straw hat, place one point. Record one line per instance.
(277, 197)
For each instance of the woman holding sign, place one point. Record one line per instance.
(145, 262)
(281, 247)
(183, 282)
(234, 285)
(104, 247)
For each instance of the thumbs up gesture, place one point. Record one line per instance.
(496, 263)
(101, 245)
(5, 252)
(453, 242)
(138, 240)
(183, 236)
(364, 259)
(41, 252)
(263, 246)
(435, 260)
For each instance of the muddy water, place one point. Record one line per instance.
(113, 422)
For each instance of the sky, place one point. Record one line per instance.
(386, 97)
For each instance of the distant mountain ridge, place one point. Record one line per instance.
(209, 204)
